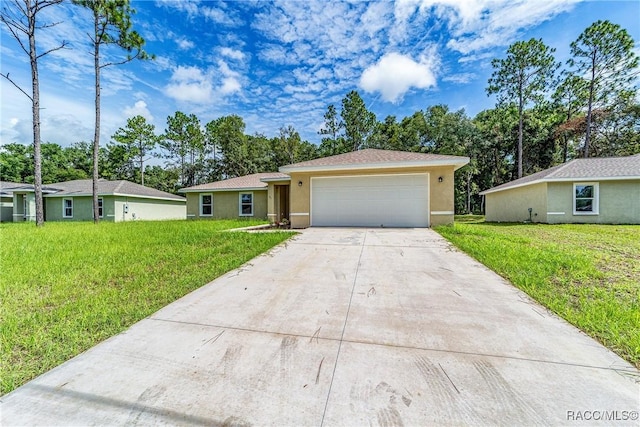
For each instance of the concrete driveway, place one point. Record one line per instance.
(342, 327)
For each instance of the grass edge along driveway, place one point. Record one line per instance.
(587, 274)
(67, 286)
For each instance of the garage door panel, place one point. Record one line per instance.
(374, 201)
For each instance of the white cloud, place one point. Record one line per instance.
(395, 74)
(188, 6)
(230, 85)
(190, 84)
(278, 55)
(225, 70)
(162, 63)
(232, 53)
(138, 109)
(195, 8)
(482, 24)
(477, 57)
(220, 16)
(461, 78)
(230, 82)
(184, 43)
(194, 85)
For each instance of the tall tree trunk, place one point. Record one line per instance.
(565, 150)
(96, 135)
(520, 108)
(141, 171)
(35, 107)
(587, 138)
(592, 84)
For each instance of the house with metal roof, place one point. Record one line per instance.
(365, 188)
(592, 190)
(117, 200)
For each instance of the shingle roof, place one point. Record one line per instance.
(84, 187)
(7, 187)
(240, 183)
(585, 169)
(371, 157)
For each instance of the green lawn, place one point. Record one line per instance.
(67, 286)
(587, 274)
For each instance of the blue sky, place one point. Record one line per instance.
(283, 63)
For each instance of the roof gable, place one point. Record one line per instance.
(84, 187)
(246, 182)
(374, 158)
(605, 168)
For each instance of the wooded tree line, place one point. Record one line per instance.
(546, 114)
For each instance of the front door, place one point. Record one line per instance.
(283, 202)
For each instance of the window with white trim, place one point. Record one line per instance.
(585, 198)
(100, 207)
(206, 204)
(246, 204)
(67, 208)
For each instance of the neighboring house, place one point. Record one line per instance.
(6, 199)
(241, 197)
(118, 201)
(593, 190)
(19, 202)
(366, 188)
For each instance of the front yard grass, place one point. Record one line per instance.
(67, 286)
(587, 274)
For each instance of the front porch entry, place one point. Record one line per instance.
(281, 202)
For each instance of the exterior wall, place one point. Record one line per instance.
(271, 202)
(82, 208)
(513, 205)
(6, 209)
(226, 204)
(148, 209)
(113, 209)
(619, 203)
(19, 213)
(441, 196)
(193, 210)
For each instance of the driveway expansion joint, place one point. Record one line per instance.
(344, 327)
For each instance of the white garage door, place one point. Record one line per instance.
(371, 201)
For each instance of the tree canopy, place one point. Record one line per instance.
(538, 122)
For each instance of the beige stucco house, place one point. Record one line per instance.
(593, 190)
(118, 201)
(241, 197)
(368, 188)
